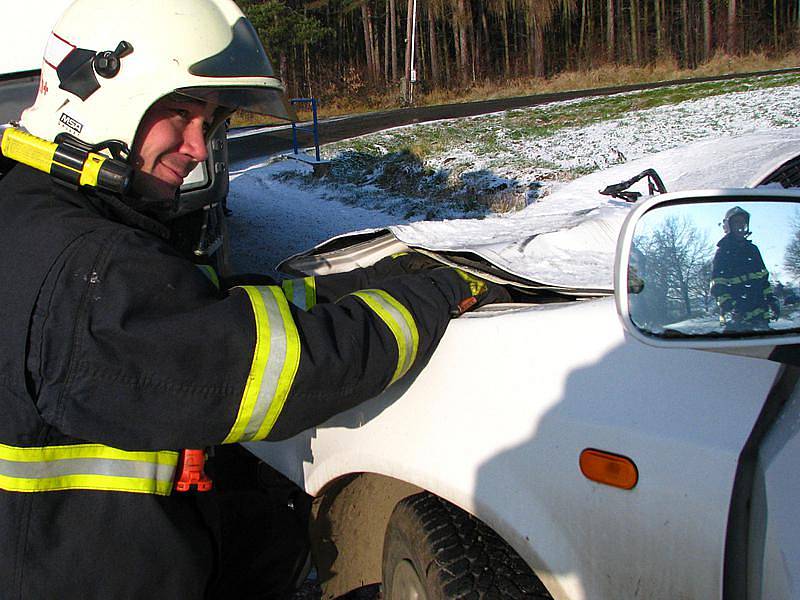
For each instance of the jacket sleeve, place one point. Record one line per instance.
(135, 348)
(307, 291)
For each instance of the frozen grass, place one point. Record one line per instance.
(501, 162)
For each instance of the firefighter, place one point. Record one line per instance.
(118, 352)
(739, 278)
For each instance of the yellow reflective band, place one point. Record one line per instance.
(91, 169)
(400, 323)
(210, 273)
(476, 286)
(311, 292)
(301, 292)
(86, 467)
(275, 360)
(740, 278)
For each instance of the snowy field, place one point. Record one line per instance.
(280, 210)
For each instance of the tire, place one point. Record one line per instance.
(435, 551)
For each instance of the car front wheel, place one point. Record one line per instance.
(435, 551)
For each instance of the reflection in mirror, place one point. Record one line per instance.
(716, 269)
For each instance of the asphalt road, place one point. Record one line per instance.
(248, 143)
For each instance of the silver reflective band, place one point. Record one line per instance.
(86, 466)
(275, 360)
(400, 323)
(301, 292)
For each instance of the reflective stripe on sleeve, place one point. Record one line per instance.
(301, 292)
(210, 273)
(400, 323)
(86, 467)
(275, 360)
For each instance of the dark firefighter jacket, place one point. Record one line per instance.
(740, 280)
(117, 352)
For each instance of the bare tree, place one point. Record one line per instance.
(791, 257)
(678, 256)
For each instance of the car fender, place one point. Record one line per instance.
(495, 424)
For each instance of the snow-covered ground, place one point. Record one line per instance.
(277, 213)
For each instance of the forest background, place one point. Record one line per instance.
(356, 55)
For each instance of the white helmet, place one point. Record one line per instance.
(107, 62)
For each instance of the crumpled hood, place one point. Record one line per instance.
(567, 240)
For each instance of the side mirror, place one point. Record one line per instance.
(712, 269)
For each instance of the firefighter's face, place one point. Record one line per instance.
(171, 140)
(738, 225)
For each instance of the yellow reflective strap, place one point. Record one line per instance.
(86, 466)
(260, 356)
(400, 322)
(210, 273)
(311, 292)
(91, 169)
(476, 286)
(87, 482)
(276, 357)
(291, 362)
(288, 287)
(301, 292)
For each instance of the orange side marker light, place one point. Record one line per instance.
(610, 469)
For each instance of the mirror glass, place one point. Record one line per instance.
(716, 269)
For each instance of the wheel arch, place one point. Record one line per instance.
(348, 523)
(349, 518)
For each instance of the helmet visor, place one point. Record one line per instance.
(261, 100)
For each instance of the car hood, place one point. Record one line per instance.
(566, 241)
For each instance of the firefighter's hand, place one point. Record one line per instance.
(481, 291)
(401, 263)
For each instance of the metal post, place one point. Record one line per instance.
(294, 135)
(316, 132)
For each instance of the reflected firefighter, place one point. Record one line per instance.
(740, 280)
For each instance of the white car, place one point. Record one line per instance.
(561, 446)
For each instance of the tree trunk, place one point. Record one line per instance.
(707, 33)
(538, 49)
(733, 46)
(582, 37)
(387, 49)
(463, 41)
(687, 59)
(436, 76)
(393, 38)
(504, 34)
(775, 38)
(611, 42)
(409, 36)
(366, 18)
(635, 31)
(659, 35)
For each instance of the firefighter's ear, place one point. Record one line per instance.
(680, 281)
